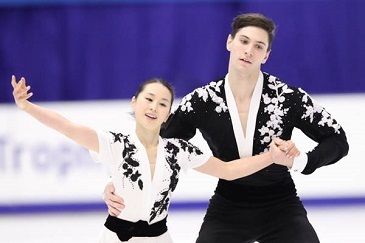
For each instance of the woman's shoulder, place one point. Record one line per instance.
(114, 136)
(181, 145)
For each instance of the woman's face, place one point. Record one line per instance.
(152, 106)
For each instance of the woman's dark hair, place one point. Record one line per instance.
(156, 80)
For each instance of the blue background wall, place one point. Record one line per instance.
(89, 50)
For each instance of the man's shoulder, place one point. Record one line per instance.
(216, 84)
(273, 80)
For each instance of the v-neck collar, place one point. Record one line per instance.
(144, 161)
(151, 185)
(244, 143)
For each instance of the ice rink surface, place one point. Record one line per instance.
(333, 224)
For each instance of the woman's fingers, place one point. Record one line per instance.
(21, 92)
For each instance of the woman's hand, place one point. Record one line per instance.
(20, 93)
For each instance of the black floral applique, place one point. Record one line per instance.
(172, 151)
(171, 158)
(130, 163)
(191, 149)
(162, 204)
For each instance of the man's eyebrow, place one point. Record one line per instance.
(260, 42)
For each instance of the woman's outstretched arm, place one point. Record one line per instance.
(83, 135)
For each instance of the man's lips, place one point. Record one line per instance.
(245, 60)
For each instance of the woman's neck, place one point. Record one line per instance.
(149, 139)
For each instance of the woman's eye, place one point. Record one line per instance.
(162, 104)
(149, 99)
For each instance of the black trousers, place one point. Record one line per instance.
(282, 220)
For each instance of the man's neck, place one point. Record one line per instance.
(242, 85)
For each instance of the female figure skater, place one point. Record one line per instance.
(145, 167)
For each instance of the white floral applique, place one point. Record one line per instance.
(276, 110)
(203, 93)
(185, 103)
(312, 110)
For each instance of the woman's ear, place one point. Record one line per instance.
(133, 102)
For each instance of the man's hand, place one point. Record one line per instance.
(283, 152)
(288, 147)
(115, 204)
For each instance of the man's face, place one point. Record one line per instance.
(248, 48)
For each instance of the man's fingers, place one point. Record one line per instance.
(283, 148)
(113, 200)
(112, 213)
(114, 209)
(290, 145)
(293, 152)
(278, 141)
(116, 205)
(116, 199)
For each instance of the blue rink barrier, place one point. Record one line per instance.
(8, 209)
